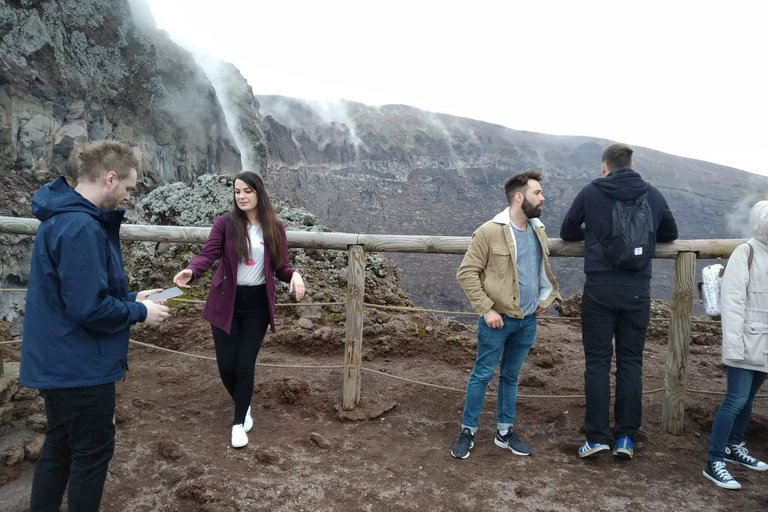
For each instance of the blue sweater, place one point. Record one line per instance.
(79, 311)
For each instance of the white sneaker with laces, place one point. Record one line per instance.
(248, 425)
(239, 437)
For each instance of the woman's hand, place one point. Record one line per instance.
(184, 277)
(296, 286)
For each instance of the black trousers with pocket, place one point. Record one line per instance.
(79, 443)
(236, 352)
(606, 312)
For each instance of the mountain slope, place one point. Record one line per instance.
(398, 169)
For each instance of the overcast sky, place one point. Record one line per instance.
(683, 77)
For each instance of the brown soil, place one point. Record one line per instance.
(392, 452)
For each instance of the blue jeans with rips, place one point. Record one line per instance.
(732, 416)
(510, 344)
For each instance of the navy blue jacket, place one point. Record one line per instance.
(592, 208)
(79, 311)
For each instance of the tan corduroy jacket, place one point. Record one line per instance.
(488, 272)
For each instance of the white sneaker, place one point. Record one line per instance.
(239, 437)
(248, 425)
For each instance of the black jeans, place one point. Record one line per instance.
(236, 352)
(79, 443)
(623, 312)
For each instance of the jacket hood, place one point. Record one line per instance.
(58, 197)
(503, 218)
(623, 184)
(758, 221)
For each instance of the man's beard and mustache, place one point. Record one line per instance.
(530, 210)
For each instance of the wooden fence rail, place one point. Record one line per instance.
(704, 249)
(684, 252)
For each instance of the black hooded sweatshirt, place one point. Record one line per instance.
(592, 208)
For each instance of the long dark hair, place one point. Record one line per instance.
(270, 226)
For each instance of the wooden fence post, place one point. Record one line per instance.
(673, 408)
(354, 326)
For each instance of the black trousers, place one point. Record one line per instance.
(79, 443)
(623, 312)
(236, 352)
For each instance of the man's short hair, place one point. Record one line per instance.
(617, 156)
(519, 183)
(105, 156)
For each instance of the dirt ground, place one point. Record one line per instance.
(392, 452)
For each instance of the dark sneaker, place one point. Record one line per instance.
(591, 449)
(624, 448)
(463, 444)
(716, 472)
(738, 453)
(510, 441)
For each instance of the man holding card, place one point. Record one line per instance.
(77, 322)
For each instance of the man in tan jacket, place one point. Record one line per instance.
(506, 276)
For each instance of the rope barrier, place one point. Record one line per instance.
(396, 377)
(363, 368)
(463, 390)
(704, 392)
(404, 379)
(209, 358)
(196, 301)
(404, 309)
(420, 310)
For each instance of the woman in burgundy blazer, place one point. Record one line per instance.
(252, 247)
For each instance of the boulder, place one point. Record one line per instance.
(33, 447)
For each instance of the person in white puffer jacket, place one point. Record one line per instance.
(744, 309)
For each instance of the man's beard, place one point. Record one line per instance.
(531, 211)
(111, 202)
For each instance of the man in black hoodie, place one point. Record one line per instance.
(616, 302)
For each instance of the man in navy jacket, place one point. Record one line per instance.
(616, 302)
(76, 324)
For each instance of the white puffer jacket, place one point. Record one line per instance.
(744, 299)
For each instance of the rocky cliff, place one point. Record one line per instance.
(78, 70)
(73, 71)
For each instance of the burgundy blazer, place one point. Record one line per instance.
(220, 305)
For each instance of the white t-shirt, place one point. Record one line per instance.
(251, 271)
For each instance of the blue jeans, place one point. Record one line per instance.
(510, 344)
(732, 416)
